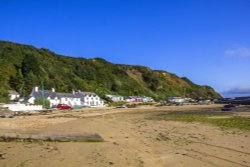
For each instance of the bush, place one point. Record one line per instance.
(147, 103)
(116, 103)
(39, 101)
(4, 97)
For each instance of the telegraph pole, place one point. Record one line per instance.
(43, 95)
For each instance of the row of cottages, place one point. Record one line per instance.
(138, 99)
(72, 99)
(115, 98)
(179, 99)
(176, 100)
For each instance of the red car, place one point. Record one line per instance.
(63, 106)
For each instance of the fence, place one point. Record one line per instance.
(23, 107)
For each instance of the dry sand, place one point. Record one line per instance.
(131, 139)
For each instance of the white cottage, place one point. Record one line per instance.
(90, 99)
(13, 95)
(115, 97)
(176, 100)
(54, 97)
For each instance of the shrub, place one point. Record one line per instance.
(39, 101)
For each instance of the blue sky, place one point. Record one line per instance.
(207, 41)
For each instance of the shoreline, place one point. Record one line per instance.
(132, 137)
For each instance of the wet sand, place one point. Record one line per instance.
(131, 138)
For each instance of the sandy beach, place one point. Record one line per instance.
(132, 137)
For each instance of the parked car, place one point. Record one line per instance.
(131, 106)
(179, 104)
(229, 106)
(63, 106)
(121, 106)
(226, 109)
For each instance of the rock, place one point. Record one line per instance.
(6, 113)
(2, 156)
(53, 137)
(111, 163)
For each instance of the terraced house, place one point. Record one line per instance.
(54, 98)
(90, 99)
(74, 99)
(115, 97)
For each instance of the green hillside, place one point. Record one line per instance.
(24, 66)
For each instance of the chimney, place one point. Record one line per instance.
(73, 91)
(36, 89)
(53, 89)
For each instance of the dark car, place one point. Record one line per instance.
(229, 106)
(121, 106)
(131, 106)
(63, 106)
(226, 109)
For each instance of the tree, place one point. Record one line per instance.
(16, 82)
(29, 82)
(30, 64)
(4, 96)
(39, 101)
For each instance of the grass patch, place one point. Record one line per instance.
(242, 123)
(24, 163)
(182, 142)
(146, 103)
(116, 103)
(218, 119)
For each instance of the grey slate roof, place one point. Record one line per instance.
(47, 94)
(52, 95)
(82, 95)
(69, 95)
(114, 95)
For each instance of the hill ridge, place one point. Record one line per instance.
(23, 66)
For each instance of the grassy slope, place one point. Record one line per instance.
(24, 66)
(221, 119)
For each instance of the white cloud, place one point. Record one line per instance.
(239, 51)
(240, 90)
